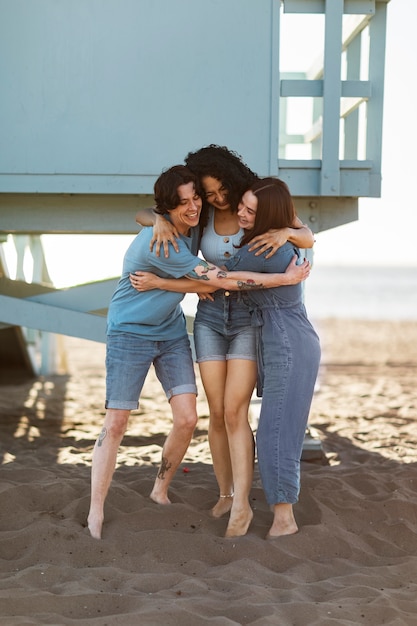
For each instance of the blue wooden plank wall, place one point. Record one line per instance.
(98, 96)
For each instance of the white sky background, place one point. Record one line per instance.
(386, 232)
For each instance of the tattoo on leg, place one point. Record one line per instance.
(102, 436)
(165, 466)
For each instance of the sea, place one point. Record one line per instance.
(368, 293)
(349, 292)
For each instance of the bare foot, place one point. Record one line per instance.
(284, 521)
(239, 522)
(274, 533)
(159, 498)
(222, 506)
(95, 526)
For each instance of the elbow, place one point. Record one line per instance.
(309, 238)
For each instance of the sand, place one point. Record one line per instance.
(354, 560)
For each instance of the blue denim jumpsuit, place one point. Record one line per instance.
(288, 362)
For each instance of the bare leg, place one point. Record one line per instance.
(240, 381)
(213, 376)
(184, 415)
(104, 462)
(284, 521)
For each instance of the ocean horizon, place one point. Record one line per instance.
(362, 292)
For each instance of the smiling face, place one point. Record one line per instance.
(187, 213)
(216, 193)
(246, 211)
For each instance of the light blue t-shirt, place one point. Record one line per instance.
(156, 314)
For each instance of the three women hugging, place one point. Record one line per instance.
(244, 338)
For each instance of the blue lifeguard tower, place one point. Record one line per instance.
(99, 96)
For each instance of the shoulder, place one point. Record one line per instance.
(143, 235)
(278, 262)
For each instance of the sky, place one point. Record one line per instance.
(386, 231)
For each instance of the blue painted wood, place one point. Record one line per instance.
(88, 297)
(351, 123)
(71, 213)
(319, 6)
(377, 29)
(101, 96)
(315, 88)
(330, 175)
(77, 311)
(30, 314)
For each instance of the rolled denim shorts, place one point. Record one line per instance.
(211, 345)
(222, 329)
(128, 359)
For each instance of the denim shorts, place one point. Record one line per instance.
(211, 345)
(222, 329)
(128, 359)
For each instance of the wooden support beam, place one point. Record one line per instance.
(29, 314)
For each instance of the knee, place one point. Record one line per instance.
(187, 422)
(232, 419)
(217, 421)
(117, 424)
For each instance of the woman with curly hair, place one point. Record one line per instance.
(225, 341)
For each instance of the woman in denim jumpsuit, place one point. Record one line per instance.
(288, 354)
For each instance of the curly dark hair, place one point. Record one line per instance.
(226, 166)
(166, 187)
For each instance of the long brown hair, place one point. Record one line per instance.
(275, 207)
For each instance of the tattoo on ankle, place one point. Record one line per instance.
(102, 436)
(165, 466)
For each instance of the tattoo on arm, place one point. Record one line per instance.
(205, 267)
(102, 436)
(165, 466)
(244, 285)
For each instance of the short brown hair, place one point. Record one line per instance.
(166, 187)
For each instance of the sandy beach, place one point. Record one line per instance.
(353, 562)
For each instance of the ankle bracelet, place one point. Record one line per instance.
(227, 495)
